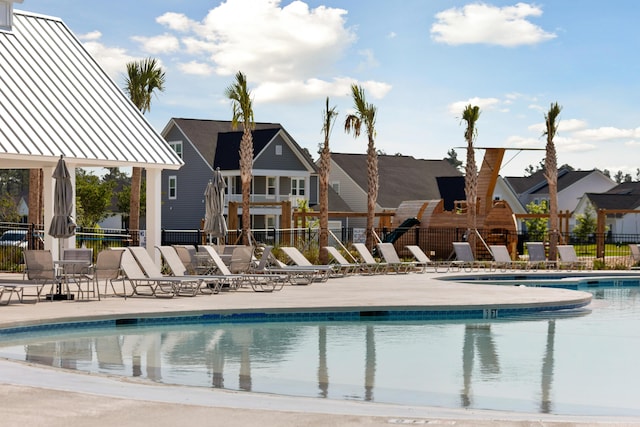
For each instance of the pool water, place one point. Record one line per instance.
(575, 364)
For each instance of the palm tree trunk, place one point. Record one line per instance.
(471, 190)
(551, 173)
(372, 195)
(325, 165)
(246, 163)
(134, 204)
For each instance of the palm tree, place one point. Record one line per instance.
(551, 174)
(471, 114)
(366, 114)
(240, 97)
(144, 77)
(328, 119)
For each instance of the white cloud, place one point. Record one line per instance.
(196, 68)
(607, 133)
(369, 60)
(164, 43)
(392, 35)
(482, 23)
(287, 52)
(93, 35)
(113, 60)
(456, 108)
(176, 21)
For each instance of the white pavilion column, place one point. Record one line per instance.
(154, 212)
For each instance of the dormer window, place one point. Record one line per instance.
(6, 14)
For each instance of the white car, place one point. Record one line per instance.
(14, 238)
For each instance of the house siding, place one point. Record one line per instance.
(351, 193)
(187, 210)
(268, 159)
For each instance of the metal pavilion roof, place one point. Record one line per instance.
(56, 100)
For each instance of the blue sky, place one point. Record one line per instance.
(419, 61)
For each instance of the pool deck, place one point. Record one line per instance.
(45, 396)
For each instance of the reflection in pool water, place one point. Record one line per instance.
(571, 365)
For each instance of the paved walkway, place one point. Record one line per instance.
(35, 395)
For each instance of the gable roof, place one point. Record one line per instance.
(400, 178)
(228, 147)
(565, 180)
(56, 100)
(203, 134)
(625, 195)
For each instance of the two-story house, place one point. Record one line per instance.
(282, 171)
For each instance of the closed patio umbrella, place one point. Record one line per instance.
(62, 224)
(214, 223)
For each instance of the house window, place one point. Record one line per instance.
(336, 187)
(177, 147)
(271, 185)
(173, 187)
(297, 186)
(278, 150)
(270, 221)
(231, 184)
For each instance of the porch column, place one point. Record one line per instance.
(154, 212)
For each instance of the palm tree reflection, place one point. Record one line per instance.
(370, 364)
(477, 338)
(547, 369)
(323, 371)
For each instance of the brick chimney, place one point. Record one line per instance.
(6, 14)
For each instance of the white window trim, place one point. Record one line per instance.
(299, 181)
(174, 144)
(267, 186)
(173, 179)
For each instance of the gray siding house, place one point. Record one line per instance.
(282, 171)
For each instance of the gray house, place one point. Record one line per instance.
(282, 171)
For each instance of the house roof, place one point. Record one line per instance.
(399, 177)
(625, 195)
(614, 201)
(203, 134)
(56, 100)
(228, 147)
(564, 180)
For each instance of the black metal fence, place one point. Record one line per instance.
(435, 242)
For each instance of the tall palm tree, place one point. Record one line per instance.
(471, 114)
(328, 119)
(365, 114)
(144, 77)
(240, 97)
(551, 174)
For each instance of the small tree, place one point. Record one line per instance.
(93, 198)
(586, 223)
(452, 158)
(537, 227)
(8, 209)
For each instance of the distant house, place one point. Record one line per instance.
(624, 196)
(400, 178)
(572, 185)
(282, 171)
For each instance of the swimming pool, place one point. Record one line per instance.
(560, 364)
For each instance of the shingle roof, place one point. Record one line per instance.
(400, 177)
(625, 188)
(203, 134)
(57, 100)
(614, 201)
(564, 180)
(228, 147)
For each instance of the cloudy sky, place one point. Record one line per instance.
(420, 62)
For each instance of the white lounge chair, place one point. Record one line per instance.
(394, 263)
(369, 263)
(300, 261)
(133, 274)
(341, 262)
(187, 285)
(422, 260)
(464, 256)
(502, 259)
(268, 264)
